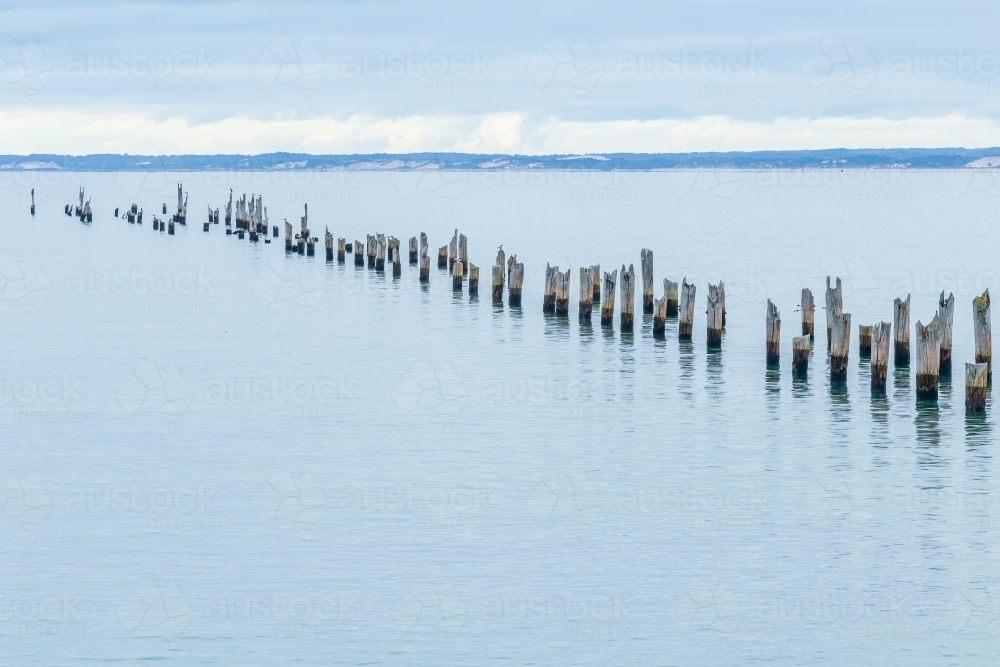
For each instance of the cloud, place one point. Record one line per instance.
(25, 131)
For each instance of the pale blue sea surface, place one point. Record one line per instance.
(217, 453)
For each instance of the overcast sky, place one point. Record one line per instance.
(524, 77)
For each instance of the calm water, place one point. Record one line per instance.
(217, 453)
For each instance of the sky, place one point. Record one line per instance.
(488, 77)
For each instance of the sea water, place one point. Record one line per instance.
(215, 452)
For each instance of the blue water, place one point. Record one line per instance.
(214, 453)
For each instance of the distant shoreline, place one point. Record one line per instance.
(839, 158)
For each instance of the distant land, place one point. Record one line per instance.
(836, 158)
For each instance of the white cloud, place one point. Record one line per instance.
(28, 130)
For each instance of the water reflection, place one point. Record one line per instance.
(772, 390)
(713, 375)
(945, 392)
(586, 331)
(928, 425)
(685, 383)
(840, 411)
(880, 420)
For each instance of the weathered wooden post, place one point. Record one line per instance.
(808, 308)
(229, 209)
(975, 387)
(901, 324)
(660, 315)
(646, 256)
(594, 272)
(414, 253)
(498, 272)
(274, 231)
(714, 318)
(33, 203)
(425, 268)
(865, 340)
(170, 227)
(341, 250)
(511, 261)
(628, 298)
(443, 257)
(834, 307)
(288, 236)
(371, 249)
(608, 298)
(721, 293)
(156, 223)
(379, 252)
(205, 226)
(310, 244)
(928, 349)
(457, 272)
(800, 356)
(423, 244)
(394, 249)
(586, 300)
(840, 347)
(328, 239)
(549, 295)
(773, 334)
(397, 261)
(685, 312)
(164, 208)
(984, 337)
(670, 294)
(946, 313)
(453, 250)
(516, 282)
(359, 255)
(881, 333)
(562, 293)
(301, 243)
(463, 252)
(473, 280)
